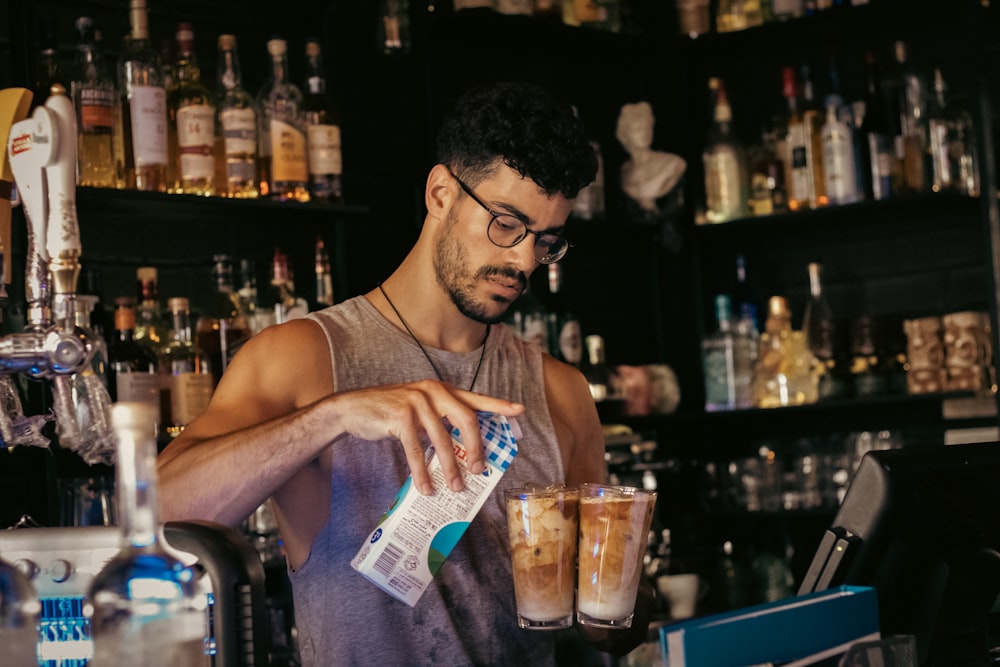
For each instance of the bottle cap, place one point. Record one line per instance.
(277, 46)
(227, 42)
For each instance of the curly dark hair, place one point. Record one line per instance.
(526, 128)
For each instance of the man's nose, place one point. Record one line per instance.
(522, 255)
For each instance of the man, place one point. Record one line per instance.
(332, 448)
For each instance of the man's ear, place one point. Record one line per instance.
(440, 192)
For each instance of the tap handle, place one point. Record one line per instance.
(31, 149)
(63, 231)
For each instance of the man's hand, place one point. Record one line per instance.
(414, 411)
(621, 642)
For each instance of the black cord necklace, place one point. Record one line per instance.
(422, 349)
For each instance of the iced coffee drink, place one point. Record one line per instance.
(542, 522)
(614, 521)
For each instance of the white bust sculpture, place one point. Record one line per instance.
(648, 174)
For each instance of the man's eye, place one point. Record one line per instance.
(508, 223)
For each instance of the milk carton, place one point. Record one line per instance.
(416, 533)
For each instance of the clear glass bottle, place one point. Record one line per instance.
(223, 326)
(191, 112)
(144, 107)
(133, 375)
(912, 119)
(324, 278)
(288, 305)
(19, 621)
(727, 362)
(322, 131)
(237, 123)
(838, 156)
(93, 93)
(151, 327)
(145, 604)
(189, 372)
(393, 34)
(283, 172)
(565, 334)
(725, 163)
(805, 189)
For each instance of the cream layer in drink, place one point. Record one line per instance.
(543, 540)
(612, 539)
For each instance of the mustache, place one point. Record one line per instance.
(504, 272)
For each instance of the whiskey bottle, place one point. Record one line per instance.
(812, 113)
(191, 112)
(324, 279)
(724, 161)
(877, 138)
(565, 336)
(144, 107)
(132, 365)
(93, 91)
(322, 131)
(223, 326)
(188, 369)
(281, 133)
(145, 605)
(287, 304)
(151, 328)
(821, 337)
(237, 124)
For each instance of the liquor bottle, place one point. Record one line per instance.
(945, 148)
(324, 279)
(258, 318)
(146, 606)
(287, 304)
(132, 365)
(191, 112)
(821, 337)
(767, 177)
(19, 622)
(745, 301)
(912, 103)
(783, 375)
(188, 369)
(49, 70)
(237, 123)
(223, 326)
(839, 162)
(565, 335)
(601, 379)
(725, 163)
(529, 318)
(813, 115)
(322, 131)
(281, 133)
(867, 375)
(600, 14)
(804, 145)
(877, 140)
(727, 362)
(93, 91)
(144, 107)
(151, 327)
(393, 34)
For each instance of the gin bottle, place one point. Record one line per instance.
(144, 107)
(145, 604)
(281, 132)
(237, 126)
(727, 362)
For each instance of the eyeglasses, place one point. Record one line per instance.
(506, 231)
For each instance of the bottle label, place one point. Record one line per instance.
(324, 149)
(139, 388)
(96, 107)
(190, 394)
(195, 138)
(239, 130)
(723, 190)
(801, 171)
(288, 153)
(148, 106)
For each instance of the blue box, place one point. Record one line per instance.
(785, 630)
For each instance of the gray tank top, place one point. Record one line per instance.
(467, 617)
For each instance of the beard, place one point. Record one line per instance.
(457, 279)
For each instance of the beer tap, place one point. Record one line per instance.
(42, 153)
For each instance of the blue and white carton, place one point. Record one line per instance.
(414, 536)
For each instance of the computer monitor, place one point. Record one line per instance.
(922, 525)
